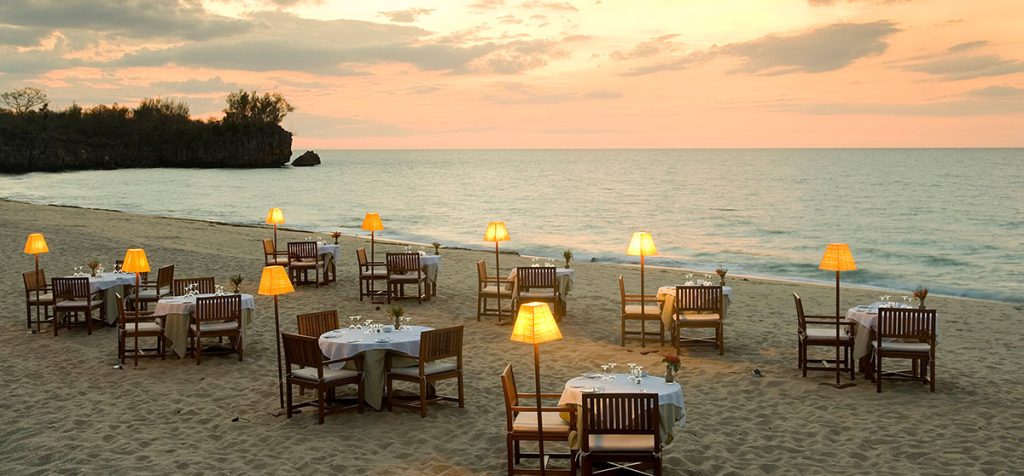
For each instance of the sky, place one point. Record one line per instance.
(548, 73)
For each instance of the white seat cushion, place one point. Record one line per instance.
(216, 326)
(410, 276)
(821, 333)
(46, 298)
(649, 310)
(309, 373)
(430, 369)
(151, 294)
(527, 421)
(532, 295)
(922, 347)
(379, 272)
(494, 291)
(277, 261)
(692, 316)
(144, 327)
(303, 264)
(622, 442)
(77, 304)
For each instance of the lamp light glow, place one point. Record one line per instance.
(135, 261)
(372, 222)
(274, 281)
(535, 324)
(496, 231)
(36, 244)
(275, 217)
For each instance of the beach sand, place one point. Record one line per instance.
(65, 408)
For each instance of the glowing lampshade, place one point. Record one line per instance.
(837, 258)
(535, 324)
(274, 281)
(496, 231)
(275, 217)
(36, 244)
(641, 245)
(371, 222)
(135, 261)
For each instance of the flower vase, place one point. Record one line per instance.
(721, 281)
(922, 305)
(335, 241)
(669, 376)
(398, 322)
(236, 290)
(93, 274)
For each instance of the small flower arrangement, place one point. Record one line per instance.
(236, 280)
(437, 247)
(721, 272)
(671, 362)
(920, 293)
(93, 264)
(567, 254)
(335, 235)
(397, 312)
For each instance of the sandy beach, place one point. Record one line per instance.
(66, 408)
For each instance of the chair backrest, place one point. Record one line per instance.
(508, 387)
(699, 299)
(123, 316)
(302, 251)
(219, 308)
(401, 263)
(164, 278)
(899, 323)
(34, 281)
(268, 247)
(302, 350)
(441, 344)
(620, 414)
(528, 277)
(361, 257)
(314, 324)
(801, 320)
(622, 294)
(205, 285)
(481, 274)
(71, 288)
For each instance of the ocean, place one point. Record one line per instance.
(948, 219)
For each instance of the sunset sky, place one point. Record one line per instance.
(549, 74)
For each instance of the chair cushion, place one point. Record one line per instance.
(494, 291)
(150, 294)
(649, 310)
(823, 333)
(379, 272)
(144, 327)
(309, 373)
(527, 421)
(692, 316)
(77, 304)
(303, 264)
(429, 369)
(277, 261)
(45, 298)
(923, 347)
(410, 276)
(216, 326)
(622, 442)
(536, 295)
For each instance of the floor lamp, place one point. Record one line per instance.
(497, 232)
(837, 258)
(275, 282)
(372, 224)
(35, 245)
(275, 217)
(642, 245)
(135, 261)
(536, 325)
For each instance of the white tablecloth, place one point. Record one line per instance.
(177, 313)
(563, 279)
(866, 317)
(668, 294)
(671, 406)
(347, 343)
(329, 248)
(109, 284)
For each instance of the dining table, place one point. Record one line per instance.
(671, 405)
(430, 264)
(176, 312)
(328, 253)
(667, 296)
(108, 284)
(866, 317)
(374, 346)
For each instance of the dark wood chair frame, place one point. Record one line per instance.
(315, 324)
(128, 325)
(164, 279)
(368, 275)
(398, 266)
(75, 289)
(304, 256)
(640, 299)
(529, 278)
(906, 325)
(804, 341)
(33, 283)
(620, 414)
(437, 344)
(699, 299)
(513, 437)
(273, 257)
(206, 285)
(304, 351)
(482, 298)
(213, 309)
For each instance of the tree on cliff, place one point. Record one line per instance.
(24, 100)
(152, 108)
(246, 107)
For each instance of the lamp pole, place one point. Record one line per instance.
(837, 328)
(497, 276)
(540, 414)
(277, 347)
(38, 285)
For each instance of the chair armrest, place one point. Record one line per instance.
(830, 322)
(525, 409)
(543, 395)
(639, 298)
(822, 316)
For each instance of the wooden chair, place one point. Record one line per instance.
(521, 425)
(435, 346)
(491, 287)
(315, 324)
(303, 257)
(402, 269)
(72, 295)
(906, 334)
(128, 326)
(153, 292)
(273, 257)
(217, 316)
(643, 308)
(823, 337)
(698, 307)
(620, 427)
(33, 283)
(537, 284)
(369, 273)
(205, 285)
(313, 372)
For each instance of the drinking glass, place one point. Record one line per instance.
(405, 323)
(611, 369)
(604, 372)
(352, 321)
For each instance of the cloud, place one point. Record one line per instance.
(406, 16)
(992, 100)
(966, 46)
(22, 36)
(521, 55)
(486, 5)
(521, 93)
(197, 86)
(823, 3)
(644, 49)
(548, 5)
(602, 94)
(675, 64)
(967, 67)
(824, 49)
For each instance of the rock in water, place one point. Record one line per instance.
(308, 159)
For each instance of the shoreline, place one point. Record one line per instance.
(391, 241)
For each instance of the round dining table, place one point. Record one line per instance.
(109, 283)
(177, 314)
(671, 406)
(866, 317)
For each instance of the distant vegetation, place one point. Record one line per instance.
(159, 132)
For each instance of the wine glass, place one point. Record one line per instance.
(405, 322)
(352, 321)
(611, 368)
(604, 372)
(368, 323)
